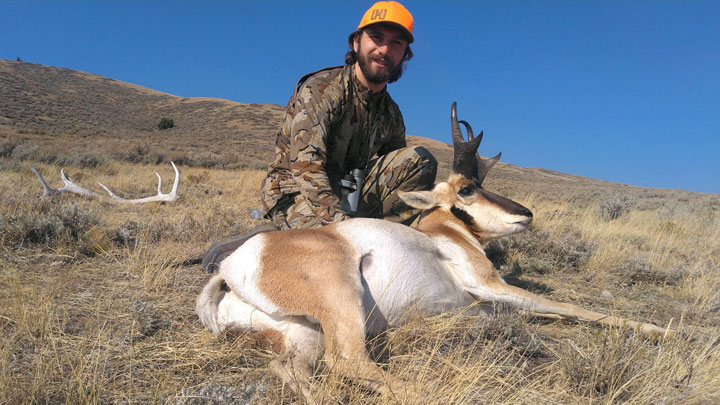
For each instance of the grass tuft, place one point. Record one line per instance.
(614, 207)
(51, 222)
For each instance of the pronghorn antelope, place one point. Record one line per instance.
(327, 289)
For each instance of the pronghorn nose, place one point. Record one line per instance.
(510, 206)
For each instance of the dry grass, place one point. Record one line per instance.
(97, 304)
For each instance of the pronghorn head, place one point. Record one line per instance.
(485, 214)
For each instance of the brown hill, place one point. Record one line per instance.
(60, 115)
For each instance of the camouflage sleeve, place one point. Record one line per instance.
(308, 151)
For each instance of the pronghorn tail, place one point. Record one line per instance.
(206, 304)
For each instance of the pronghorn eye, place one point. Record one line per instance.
(466, 191)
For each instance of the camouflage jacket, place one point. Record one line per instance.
(324, 135)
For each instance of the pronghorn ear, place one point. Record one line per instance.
(423, 200)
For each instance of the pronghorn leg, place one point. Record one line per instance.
(330, 290)
(538, 305)
(345, 353)
(296, 370)
(298, 343)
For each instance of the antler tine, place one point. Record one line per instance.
(457, 136)
(71, 187)
(47, 190)
(159, 197)
(471, 137)
(468, 128)
(173, 192)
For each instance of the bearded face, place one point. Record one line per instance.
(376, 68)
(380, 51)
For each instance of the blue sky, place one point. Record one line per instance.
(625, 91)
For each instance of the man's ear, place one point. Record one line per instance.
(356, 42)
(422, 200)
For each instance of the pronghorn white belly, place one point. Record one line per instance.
(403, 272)
(236, 314)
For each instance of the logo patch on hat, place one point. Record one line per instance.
(378, 14)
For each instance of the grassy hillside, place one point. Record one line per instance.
(97, 299)
(70, 117)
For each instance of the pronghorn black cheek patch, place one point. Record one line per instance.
(462, 215)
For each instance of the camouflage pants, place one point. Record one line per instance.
(407, 169)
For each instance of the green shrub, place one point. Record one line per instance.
(83, 160)
(34, 153)
(11, 166)
(50, 222)
(615, 207)
(165, 123)
(7, 148)
(135, 156)
(41, 154)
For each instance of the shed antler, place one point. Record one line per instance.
(71, 187)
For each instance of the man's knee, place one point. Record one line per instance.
(428, 167)
(406, 169)
(422, 167)
(297, 215)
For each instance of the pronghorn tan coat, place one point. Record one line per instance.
(358, 277)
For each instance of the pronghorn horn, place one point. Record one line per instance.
(465, 160)
(484, 166)
(457, 136)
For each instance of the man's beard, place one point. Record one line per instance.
(380, 76)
